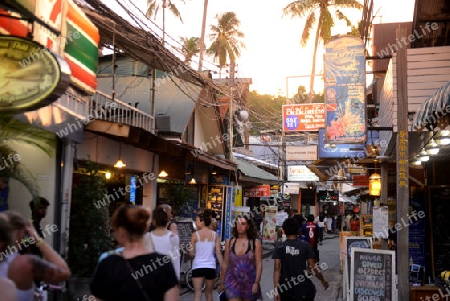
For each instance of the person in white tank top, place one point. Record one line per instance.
(164, 241)
(204, 243)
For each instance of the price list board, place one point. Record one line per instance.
(185, 230)
(372, 275)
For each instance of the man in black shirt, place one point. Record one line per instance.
(38, 208)
(291, 276)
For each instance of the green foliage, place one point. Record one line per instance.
(190, 47)
(11, 130)
(154, 5)
(225, 39)
(89, 234)
(177, 195)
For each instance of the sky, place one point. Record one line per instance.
(273, 57)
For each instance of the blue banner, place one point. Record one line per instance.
(336, 151)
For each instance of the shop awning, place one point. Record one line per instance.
(252, 173)
(433, 110)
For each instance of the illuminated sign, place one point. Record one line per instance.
(303, 117)
(30, 76)
(257, 191)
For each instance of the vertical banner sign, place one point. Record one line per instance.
(372, 275)
(270, 223)
(344, 62)
(381, 222)
(228, 210)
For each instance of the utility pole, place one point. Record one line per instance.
(202, 36)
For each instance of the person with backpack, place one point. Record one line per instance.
(311, 233)
(291, 275)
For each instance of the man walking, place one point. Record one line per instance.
(291, 277)
(311, 233)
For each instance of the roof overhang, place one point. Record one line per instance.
(434, 111)
(253, 174)
(148, 141)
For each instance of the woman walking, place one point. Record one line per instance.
(136, 273)
(204, 242)
(164, 241)
(242, 265)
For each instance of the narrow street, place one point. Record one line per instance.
(329, 254)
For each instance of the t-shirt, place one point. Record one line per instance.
(293, 255)
(113, 280)
(310, 231)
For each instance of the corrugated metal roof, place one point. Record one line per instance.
(251, 171)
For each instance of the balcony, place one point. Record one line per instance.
(104, 107)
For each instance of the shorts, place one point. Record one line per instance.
(208, 273)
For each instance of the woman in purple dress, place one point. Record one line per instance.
(242, 266)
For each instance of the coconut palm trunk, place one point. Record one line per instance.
(313, 68)
(202, 36)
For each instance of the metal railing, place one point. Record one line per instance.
(104, 107)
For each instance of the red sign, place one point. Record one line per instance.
(257, 191)
(303, 117)
(360, 180)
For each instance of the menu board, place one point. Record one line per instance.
(351, 242)
(372, 275)
(185, 230)
(439, 198)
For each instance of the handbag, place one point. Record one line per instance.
(130, 268)
(223, 296)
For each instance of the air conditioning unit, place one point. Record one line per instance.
(162, 123)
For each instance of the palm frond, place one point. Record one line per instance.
(12, 129)
(175, 12)
(340, 15)
(24, 176)
(151, 8)
(348, 4)
(300, 8)
(310, 21)
(327, 23)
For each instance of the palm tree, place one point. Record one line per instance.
(323, 22)
(202, 35)
(154, 5)
(13, 130)
(225, 39)
(190, 47)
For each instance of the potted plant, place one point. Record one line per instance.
(89, 234)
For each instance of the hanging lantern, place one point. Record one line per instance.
(375, 184)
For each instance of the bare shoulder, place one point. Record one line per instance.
(8, 289)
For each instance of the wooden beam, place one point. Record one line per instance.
(402, 165)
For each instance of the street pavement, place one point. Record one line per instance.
(329, 254)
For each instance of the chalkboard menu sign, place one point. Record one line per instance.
(372, 275)
(185, 230)
(355, 242)
(440, 224)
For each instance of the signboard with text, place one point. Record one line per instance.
(344, 63)
(360, 180)
(303, 117)
(301, 173)
(306, 152)
(339, 150)
(257, 191)
(372, 275)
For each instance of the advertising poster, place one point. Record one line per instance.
(270, 224)
(303, 117)
(381, 222)
(344, 62)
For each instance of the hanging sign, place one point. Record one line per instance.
(344, 62)
(303, 117)
(30, 76)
